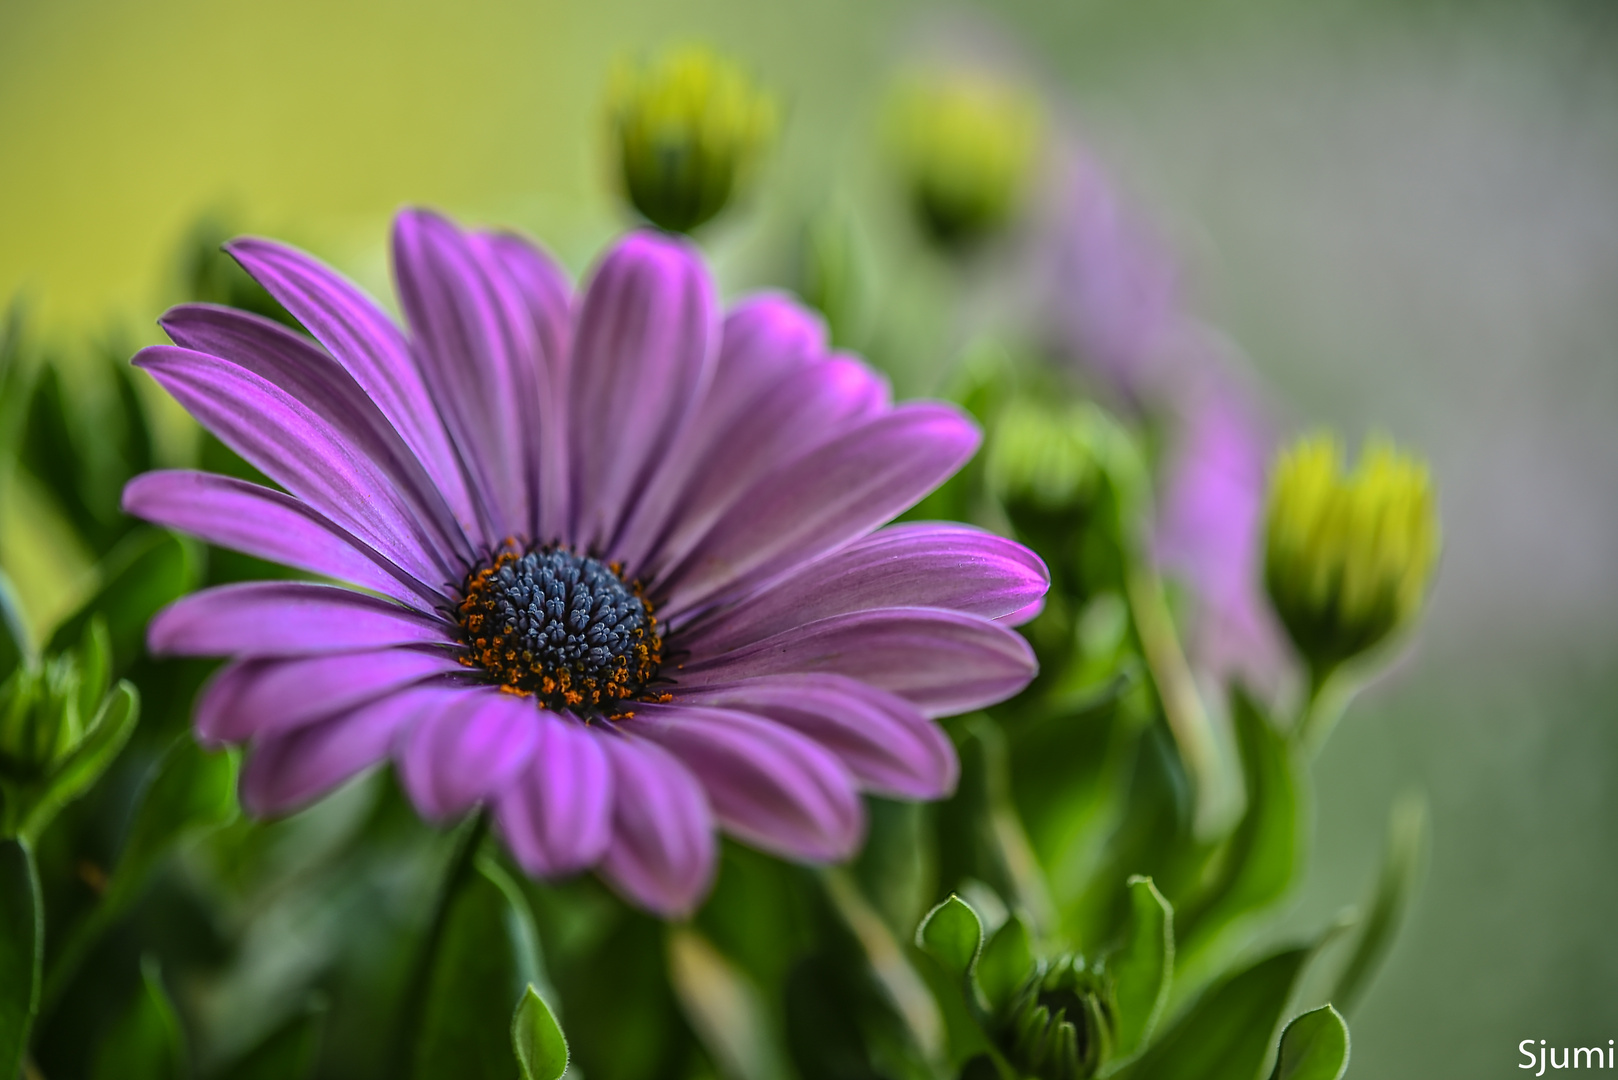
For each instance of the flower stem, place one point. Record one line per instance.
(1329, 694)
(457, 872)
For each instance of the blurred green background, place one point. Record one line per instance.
(1406, 214)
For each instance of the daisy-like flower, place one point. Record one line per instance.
(617, 559)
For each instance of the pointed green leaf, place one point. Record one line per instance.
(1228, 1032)
(486, 958)
(22, 940)
(1006, 962)
(110, 729)
(1143, 967)
(1401, 868)
(95, 666)
(1313, 1047)
(1263, 854)
(16, 644)
(146, 1043)
(537, 1038)
(951, 934)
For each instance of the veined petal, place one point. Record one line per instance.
(830, 496)
(285, 772)
(288, 618)
(543, 289)
(944, 662)
(367, 343)
(642, 357)
(884, 740)
(955, 567)
(345, 471)
(270, 525)
(475, 345)
(662, 852)
(556, 817)
(769, 785)
(454, 758)
(258, 698)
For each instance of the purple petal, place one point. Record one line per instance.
(269, 525)
(955, 567)
(288, 618)
(942, 661)
(294, 364)
(557, 816)
(257, 698)
(543, 289)
(367, 343)
(662, 851)
(476, 347)
(642, 357)
(451, 760)
(834, 494)
(886, 742)
(808, 407)
(344, 470)
(770, 786)
(285, 772)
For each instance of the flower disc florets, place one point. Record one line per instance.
(565, 628)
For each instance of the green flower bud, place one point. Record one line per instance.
(689, 130)
(40, 719)
(966, 143)
(1348, 556)
(1042, 460)
(1059, 1026)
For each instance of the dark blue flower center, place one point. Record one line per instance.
(565, 628)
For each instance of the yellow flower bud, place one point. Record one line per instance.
(688, 129)
(966, 143)
(1348, 556)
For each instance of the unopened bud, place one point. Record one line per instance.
(1058, 1027)
(1348, 554)
(688, 129)
(40, 720)
(966, 143)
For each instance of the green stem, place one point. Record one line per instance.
(458, 871)
(1330, 691)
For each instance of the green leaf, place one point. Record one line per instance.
(1313, 1047)
(951, 934)
(1264, 852)
(22, 946)
(724, 1008)
(1006, 962)
(190, 791)
(486, 958)
(16, 644)
(537, 1038)
(114, 722)
(287, 1053)
(1401, 870)
(147, 570)
(95, 666)
(1228, 1032)
(1142, 968)
(146, 1042)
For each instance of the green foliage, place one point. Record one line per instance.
(952, 935)
(1005, 963)
(537, 1038)
(1142, 968)
(1314, 1046)
(146, 1042)
(22, 946)
(148, 570)
(287, 1053)
(1401, 870)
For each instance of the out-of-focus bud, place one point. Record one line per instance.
(1042, 460)
(40, 722)
(966, 143)
(688, 130)
(1058, 1027)
(1348, 555)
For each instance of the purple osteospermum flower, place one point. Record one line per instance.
(624, 577)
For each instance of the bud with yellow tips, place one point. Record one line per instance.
(688, 129)
(1349, 555)
(966, 143)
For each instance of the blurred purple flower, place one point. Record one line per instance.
(1210, 529)
(1114, 304)
(624, 574)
